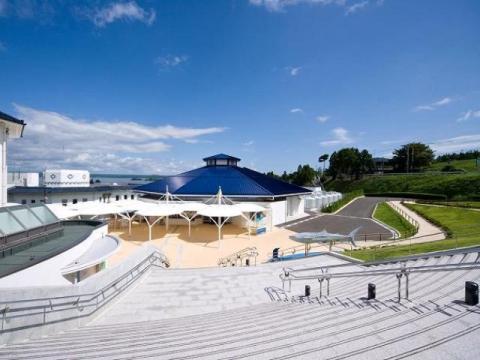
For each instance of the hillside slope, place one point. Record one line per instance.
(452, 185)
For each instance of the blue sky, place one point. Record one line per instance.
(153, 86)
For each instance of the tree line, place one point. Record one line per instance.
(462, 155)
(352, 164)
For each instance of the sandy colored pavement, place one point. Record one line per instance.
(202, 249)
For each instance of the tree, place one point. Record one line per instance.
(323, 159)
(305, 175)
(412, 157)
(350, 162)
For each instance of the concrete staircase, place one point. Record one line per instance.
(228, 316)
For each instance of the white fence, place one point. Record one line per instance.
(320, 199)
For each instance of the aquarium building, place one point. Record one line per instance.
(283, 201)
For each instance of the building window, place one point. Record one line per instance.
(42, 201)
(32, 201)
(74, 201)
(132, 197)
(64, 202)
(24, 202)
(117, 197)
(125, 197)
(84, 199)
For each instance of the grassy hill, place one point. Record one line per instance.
(467, 165)
(452, 185)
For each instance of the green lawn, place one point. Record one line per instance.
(387, 215)
(463, 204)
(467, 165)
(451, 185)
(462, 226)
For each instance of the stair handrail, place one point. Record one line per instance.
(248, 252)
(80, 302)
(400, 272)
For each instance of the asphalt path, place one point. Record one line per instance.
(355, 215)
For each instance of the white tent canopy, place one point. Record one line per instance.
(219, 214)
(190, 212)
(158, 211)
(249, 207)
(222, 210)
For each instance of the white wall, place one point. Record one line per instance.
(3, 164)
(23, 179)
(66, 178)
(57, 198)
(278, 212)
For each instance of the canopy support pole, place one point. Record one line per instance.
(189, 220)
(150, 226)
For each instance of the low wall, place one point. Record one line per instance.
(32, 312)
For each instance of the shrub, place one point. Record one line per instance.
(343, 201)
(409, 195)
(451, 168)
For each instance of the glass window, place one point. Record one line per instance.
(125, 197)
(44, 214)
(24, 202)
(84, 199)
(26, 217)
(132, 197)
(32, 201)
(74, 201)
(8, 224)
(64, 202)
(117, 197)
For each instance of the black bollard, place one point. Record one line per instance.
(471, 293)
(372, 291)
(307, 290)
(275, 254)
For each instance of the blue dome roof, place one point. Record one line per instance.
(234, 181)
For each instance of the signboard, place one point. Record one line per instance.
(260, 223)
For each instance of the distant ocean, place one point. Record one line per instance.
(120, 179)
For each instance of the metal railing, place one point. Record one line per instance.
(359, 237)
(237, 258)
(402, 271)
(404, 214)
(50, 310)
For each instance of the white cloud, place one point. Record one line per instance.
(341, 136)
(55, 140)
(434, 105)
(393, 142)
(280, 5)
(115, 11)
(293, 71)
(170, 61)
(296, 110)
(322, 118)
(467, 115)
(464, 142)
(249, 143)
(351, 9)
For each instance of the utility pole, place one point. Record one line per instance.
(413, 157)
(408, 154)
